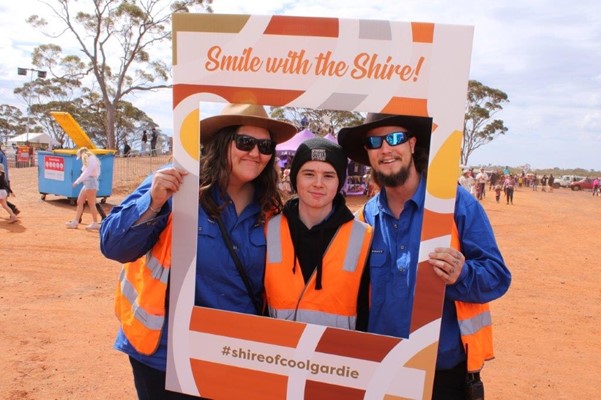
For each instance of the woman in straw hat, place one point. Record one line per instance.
(238, 189)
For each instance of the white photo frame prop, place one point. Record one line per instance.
(408, 68)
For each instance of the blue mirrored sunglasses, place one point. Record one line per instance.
(393, 139)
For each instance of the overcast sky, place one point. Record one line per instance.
(545, 55)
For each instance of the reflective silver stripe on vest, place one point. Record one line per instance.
(150, 321)
(274, 240)
(353, 250)
(157, 271)
(474, 324)
(315, 317)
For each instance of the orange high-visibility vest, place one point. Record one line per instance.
(141, 294)
(474, 319)
(288, 297)
(475, 325)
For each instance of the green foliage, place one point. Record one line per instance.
(318, 121)
(116, 39)
(479, 127)
(12, 121)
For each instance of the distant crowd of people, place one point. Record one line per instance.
(503, 182)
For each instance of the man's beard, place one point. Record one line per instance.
(396, 179)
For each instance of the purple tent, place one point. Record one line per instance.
(331, 138)
(290, 146)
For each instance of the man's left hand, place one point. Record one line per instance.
(447, 263)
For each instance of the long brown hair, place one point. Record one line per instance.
(215, 171)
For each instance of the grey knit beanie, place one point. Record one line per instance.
(320, 149)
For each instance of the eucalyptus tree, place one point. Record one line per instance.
(120, 41)
(318, 121)
(479, 126)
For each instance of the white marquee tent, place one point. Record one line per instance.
(33, 137)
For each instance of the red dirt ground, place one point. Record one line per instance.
(56, 297)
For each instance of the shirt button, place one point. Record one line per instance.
(235, 247)
(395, 226)
(402, 247)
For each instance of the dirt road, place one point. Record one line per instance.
(56, 297)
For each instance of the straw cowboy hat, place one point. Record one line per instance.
(351, 139)
(245, 114)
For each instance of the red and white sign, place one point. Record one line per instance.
(54, 168)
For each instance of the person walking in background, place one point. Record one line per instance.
(494, 177)
(144, 148)
(498, 190)
(396, 147)
(596, 187)
(5, 190)
(543, 183)
(466, 181)
(4, 163)
(481, 179)
(153, 142)
(305, 278)
(90, 171)
(238, 190)
(126, 149)
(508, 187)
(550, 182)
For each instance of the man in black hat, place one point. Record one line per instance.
(316, 249)
(396, 147)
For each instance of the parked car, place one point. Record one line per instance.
(565, 180)
(586, 183)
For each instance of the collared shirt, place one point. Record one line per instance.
(4, 161)
(218, 283)
(393, 267)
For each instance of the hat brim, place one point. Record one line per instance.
(280, 131)
(351, 139)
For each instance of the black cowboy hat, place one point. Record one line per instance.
(351, 139)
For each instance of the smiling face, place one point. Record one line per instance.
(246, 166)
(316, 185)
(391, 164)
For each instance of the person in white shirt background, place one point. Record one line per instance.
(467, 181)
(90, 171)
(481, 179)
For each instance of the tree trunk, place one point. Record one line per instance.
(111, 115)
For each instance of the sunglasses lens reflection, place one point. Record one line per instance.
(393, 139)
(247, 143)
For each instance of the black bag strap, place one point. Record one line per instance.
(230, 246)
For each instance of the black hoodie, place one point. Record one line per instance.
(311, 244)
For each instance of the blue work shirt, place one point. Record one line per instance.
(218, 283)
(393, 268)
(4, 161)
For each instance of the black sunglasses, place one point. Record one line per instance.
(393, 139)
(247, 143)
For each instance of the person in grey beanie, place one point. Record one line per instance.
(316, 249)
